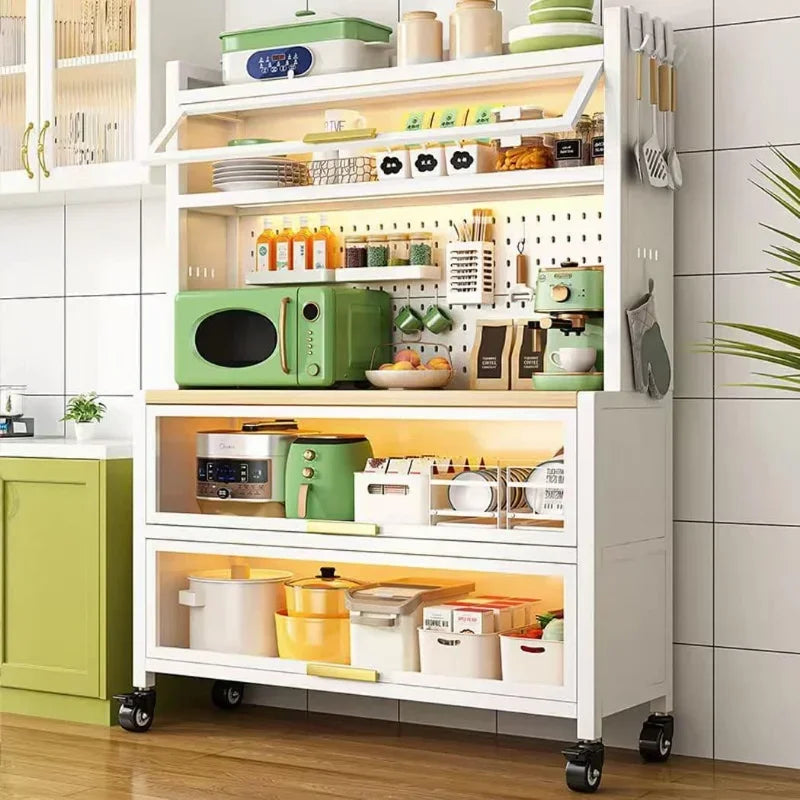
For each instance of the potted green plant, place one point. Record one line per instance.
(85, 411)
(770, 345)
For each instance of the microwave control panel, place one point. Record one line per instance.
(233, 479)
(312, 328)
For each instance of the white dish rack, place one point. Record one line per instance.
(470, 273)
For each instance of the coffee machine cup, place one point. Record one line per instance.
(575, 359)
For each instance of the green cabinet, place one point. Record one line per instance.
(65, 586)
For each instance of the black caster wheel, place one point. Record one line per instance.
(136, 710)
(655, 740)
(227, 695)
(585, 766)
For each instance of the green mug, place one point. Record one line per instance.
(437, 320)
(408, 320)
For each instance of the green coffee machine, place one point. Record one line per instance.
(572, 298)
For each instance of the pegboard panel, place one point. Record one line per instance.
(554, 229)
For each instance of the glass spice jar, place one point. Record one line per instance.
(355, 251)
(377, 251)
(398, 250)
(421, 249)
(574, 148)
(598, 138)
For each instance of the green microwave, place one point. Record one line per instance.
(305, 336)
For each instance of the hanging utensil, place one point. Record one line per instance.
(521, 292)
(663, 92)
(673, 161)
(653, 156)
(639, 40)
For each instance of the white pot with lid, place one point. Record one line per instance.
(233, 610)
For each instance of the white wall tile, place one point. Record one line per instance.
(350, 705)
(694, 120)
(756, 707)
(757, 604)
(117, 423)
(155, 266)
(103, 345)
(681, 13)
(469, 719)
(752, 65)
(694, 583)
(740, 206)
(694, 308)
(103, 249)
(47, 413)
(755, 300)
(728, 11)
(156, 336)
(694, 215)
(32, 252)
(756, 453)
(694, 701)
(693, 460)
(32, 344)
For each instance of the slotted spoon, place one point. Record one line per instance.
(653, 155)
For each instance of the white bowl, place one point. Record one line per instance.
(409, 379)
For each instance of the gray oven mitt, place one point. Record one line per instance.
(652, 372)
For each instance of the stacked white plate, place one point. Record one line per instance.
(245, 174)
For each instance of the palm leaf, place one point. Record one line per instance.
(789, 339)
(784, 254)
(780, 232)
(793, 167)
(785, 203)
(779, 182)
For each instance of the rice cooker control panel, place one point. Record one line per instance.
(280, 62)
(233, 479)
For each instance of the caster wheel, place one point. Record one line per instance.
(583, 778)
(585, 766)
(136, 710)
(226, 695)
(655, 740)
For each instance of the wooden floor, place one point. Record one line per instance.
(262, 754)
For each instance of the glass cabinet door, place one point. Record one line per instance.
(89, 83)
(19, 113)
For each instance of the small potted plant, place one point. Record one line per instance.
(85, 411)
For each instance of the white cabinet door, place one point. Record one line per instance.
(88, 92)
(19, 95)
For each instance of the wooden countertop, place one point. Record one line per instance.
(366, 397)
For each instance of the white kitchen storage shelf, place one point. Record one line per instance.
(88, 94)
(611, 552)
(428, 272)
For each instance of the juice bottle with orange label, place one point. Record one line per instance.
(265, 248)
(302, 246)
(324, 246)
(283, 246)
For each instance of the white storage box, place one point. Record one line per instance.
(384, 499)
(233, 610)
(470, 273)
(428, 162)
(384, 618)
(470, 158)
(393, 165)
(460, 655)
(527, 660)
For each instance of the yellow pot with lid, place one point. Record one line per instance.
(321, 596)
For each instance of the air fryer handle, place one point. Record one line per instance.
(302, 500)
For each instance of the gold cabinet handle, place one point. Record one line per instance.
(26, 140)
(40, 149)
(282, 334)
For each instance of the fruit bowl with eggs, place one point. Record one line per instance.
(408, 371)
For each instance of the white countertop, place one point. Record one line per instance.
(61, 447)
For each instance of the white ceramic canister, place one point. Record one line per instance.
(419, 38)
(233, 610)
(476, 30)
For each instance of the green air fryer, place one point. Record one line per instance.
(319, 475)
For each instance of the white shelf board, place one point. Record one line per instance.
(344, 275)
(12, 69)
(569, 181)
(95, 60)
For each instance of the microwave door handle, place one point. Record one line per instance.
(282, 334)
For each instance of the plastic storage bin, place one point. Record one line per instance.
(396, 499)
(428, 162)
(460, 655)
(470, 158)
(384, 618)
(526, 660)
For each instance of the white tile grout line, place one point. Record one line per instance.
(713, 384)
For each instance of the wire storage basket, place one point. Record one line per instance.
(358, 169)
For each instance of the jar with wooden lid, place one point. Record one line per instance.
(377, 251)
(398, 250)
(574, 148)
(419, 38)
(476, 30)
(421, 249)
(355, 251)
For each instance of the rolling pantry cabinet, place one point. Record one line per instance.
(65, 584)
(82, 86)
